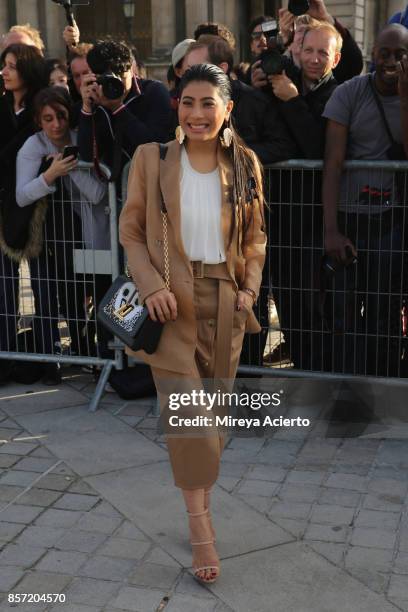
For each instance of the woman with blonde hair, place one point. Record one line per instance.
(211, 187)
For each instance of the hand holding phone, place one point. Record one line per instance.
(60, 166)
(70, 150)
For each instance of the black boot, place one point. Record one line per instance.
(6, 368)
(52, 374)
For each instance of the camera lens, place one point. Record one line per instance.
(298, 7)
(272, 63)
(112, 88)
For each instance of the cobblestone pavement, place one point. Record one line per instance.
(314, 520)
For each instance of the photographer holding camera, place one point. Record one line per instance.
(292, 25)
(302, 98)
(296, 243)
(119, 111)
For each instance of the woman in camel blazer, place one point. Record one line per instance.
(212, 189)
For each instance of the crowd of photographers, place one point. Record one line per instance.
(302, 96)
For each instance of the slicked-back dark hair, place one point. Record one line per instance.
(246, 170)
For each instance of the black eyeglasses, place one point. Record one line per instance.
(257, 35)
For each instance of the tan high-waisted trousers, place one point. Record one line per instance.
(194, 456)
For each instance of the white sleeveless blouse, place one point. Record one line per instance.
(200, 203)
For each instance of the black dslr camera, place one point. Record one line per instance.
(298, 7)
(68, 6)
(272, 59)
(112, 86)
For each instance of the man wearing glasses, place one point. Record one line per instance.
(258, 41)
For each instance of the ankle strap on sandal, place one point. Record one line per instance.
(194, 514)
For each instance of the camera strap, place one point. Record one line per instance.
(380, 108)
(101, 174)
(117, 153)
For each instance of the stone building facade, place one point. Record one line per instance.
(156, 25)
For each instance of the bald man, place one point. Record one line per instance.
(364, 210)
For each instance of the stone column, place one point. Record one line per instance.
(27, 12)
(229, 13)
(4, 25)
(394, 6)
(375, 19)
(359, 22)
(257, 8)
(196, 12)
(55, 24)
(163, 26)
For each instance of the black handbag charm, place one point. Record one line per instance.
(119, 310)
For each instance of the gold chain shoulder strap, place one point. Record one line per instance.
(166, 251)
(163, 152)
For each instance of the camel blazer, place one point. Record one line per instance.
(141, 234)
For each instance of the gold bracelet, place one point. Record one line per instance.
(250, 292)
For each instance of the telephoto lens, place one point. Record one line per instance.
(273, 60)
(112, 86)
(298, 7)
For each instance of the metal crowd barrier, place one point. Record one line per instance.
(124, 179)
(50, 313)
(350, 322)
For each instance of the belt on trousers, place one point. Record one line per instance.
(225, 313)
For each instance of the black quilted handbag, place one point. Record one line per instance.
(121, 314)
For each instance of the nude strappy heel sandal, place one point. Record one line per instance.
(208, 492)
(212, 566)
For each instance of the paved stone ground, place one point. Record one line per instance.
(306, 520)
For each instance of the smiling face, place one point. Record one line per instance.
(318, 54)
(12, 79)
(202, 111)
(55, 123)
(390, 48)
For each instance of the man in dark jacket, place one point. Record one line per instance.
(138, 111)
(303, 98)
(297, 229)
